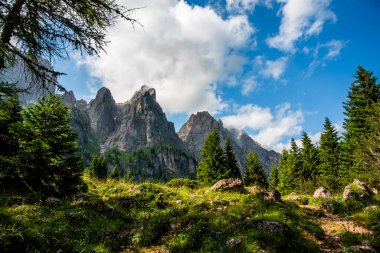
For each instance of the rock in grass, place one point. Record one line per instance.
(274, 227)
(274, 195)
(322, 192)
(230, 184)
(357, 190)
(53, 201)
(234, 243)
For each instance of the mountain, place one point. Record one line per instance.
(134, 135)
(194, 132)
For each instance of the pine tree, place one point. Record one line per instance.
(10, 117)
(231, 162)
(329, 150)
(368, 153)
(98, 167)
(289, 169)
(254, 172)
(273, 178)
(115, 173)
(283, 172)
(364, 92)
(310, 160)
(48, 149)
(212, 167)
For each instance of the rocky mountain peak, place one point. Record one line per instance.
(102, 112)
(144, 92)
(68, 98)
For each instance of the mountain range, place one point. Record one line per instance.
(137, 137)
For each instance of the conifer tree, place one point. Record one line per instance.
(98, 167)
(254, 172)
(115, 173)
(10, 116)
(231, 162)
(212, 167)
(289, 168)
(310, 160)
(283, 172)
(364, 92)
(48, 150)
(273, 178)
(329, 156)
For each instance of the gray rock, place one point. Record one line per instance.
(274, 227)
(53, 201)
(230, 184)
(274, 195)
(234, 243)
(68, 98)
(347, 193)
(322, 192)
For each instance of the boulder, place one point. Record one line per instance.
(274, 195)
(322, 192)
(274, 227)
(230, 184)
(357, 190)
(234, 243)
(52, 201)
(294, 198)
(257, 190)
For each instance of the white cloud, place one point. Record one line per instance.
(300, 19)
(183, 51)
(323, 53)
(275, 68)
(246, 5)
(250, 84)
(271, 127)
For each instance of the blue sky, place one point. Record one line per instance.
(271, 67)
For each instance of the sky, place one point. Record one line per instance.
(274, 68)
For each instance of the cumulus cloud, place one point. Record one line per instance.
(270, 127)
(274, 69)
(300, 19)
(323, 53)
(246, 5)
(183, 51)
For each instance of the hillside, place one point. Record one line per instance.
(183, 216)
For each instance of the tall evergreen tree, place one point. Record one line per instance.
(212, 167)
(273, 178)
(231, 162)
(310, 160)
(289, 168)
(329, 150)
(115, 172)
(10, 117)
(254, 172)
(48, 149)
(368, 153)
(98, 167)
(364, 92)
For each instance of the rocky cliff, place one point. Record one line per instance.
(194, 132)
(134, 135)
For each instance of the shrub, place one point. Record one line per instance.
(183, 182)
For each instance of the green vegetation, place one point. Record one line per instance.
(231, 162)
(254, 172)
(117, 216)
(213, 165)
(98, 167)
(41, 156)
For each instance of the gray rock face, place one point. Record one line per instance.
(195, 131)
(102, 112)
(138, 127)
(140, 123)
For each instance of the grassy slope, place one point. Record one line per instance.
(117, 216)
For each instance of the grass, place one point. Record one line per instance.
(182, 216)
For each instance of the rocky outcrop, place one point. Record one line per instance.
(134, 135)
(230, 184)
(322, 192)
(357, 190)
(195, 131)
(140, 123)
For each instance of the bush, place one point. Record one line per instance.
(98, 167)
